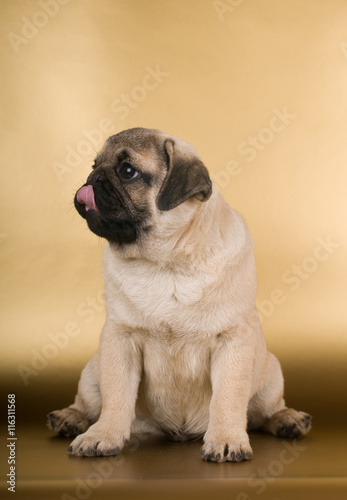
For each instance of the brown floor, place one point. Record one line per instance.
(150, 469)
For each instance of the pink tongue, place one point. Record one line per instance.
(85, 196)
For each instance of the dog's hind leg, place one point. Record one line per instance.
(76, 418)
(267, 410)
(288, 423)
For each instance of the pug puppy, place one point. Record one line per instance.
(182, 350)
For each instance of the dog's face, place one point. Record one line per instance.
(138, 173)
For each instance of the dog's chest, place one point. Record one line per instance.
(153, 288)
(159, 295)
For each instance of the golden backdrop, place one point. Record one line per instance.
(258, 87)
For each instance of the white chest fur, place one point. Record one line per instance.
(203, 293)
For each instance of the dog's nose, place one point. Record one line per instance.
(100, 176)
(85, 196)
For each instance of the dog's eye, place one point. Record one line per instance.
(127, 172)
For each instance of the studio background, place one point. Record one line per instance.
(258, 87)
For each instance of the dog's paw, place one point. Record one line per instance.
(97, 442)
(68, 422)
(234, 449)
(289, 423)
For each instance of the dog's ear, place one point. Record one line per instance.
(187, 176)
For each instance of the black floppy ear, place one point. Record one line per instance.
(187, 176)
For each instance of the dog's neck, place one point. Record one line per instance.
(190, 237)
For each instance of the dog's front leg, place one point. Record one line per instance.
(232, 361)
(119, 375)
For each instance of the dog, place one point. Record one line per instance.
(182, 351)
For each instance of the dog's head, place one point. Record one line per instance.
(138, 173)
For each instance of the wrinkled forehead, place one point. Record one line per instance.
(140, 147)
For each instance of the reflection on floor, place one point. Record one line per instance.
(154, 468)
